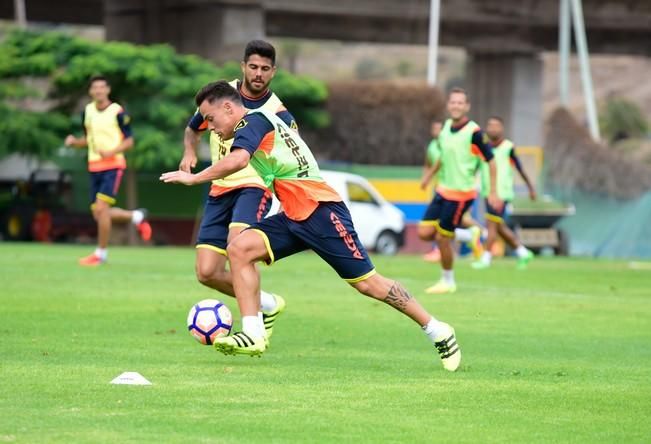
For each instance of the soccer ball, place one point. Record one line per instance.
(209, 319)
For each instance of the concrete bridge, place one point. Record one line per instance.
(503, 38)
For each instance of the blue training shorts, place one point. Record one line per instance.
(328, 231)
(445, 214)
(494, 215)
(104, 185)
(239, 207)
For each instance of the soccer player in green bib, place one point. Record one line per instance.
(462, 147)
(314, 217)
(505, 160)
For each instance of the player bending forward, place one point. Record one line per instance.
(314, 218)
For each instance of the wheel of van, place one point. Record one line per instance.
(387, 243)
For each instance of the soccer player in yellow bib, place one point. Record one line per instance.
(314, 218)
(240, 199)
(107, 134)
(505, 160)
(462, 147)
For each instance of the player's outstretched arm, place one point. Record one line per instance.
(233, 162)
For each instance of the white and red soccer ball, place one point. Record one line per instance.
(209, 319)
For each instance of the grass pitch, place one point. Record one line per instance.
(559, 353)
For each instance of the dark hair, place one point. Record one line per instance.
(217, 91)
(98, 78)
(494, 117)
(458, 90)
(261, 48)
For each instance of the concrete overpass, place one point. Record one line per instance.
(613, 26)
(502, 38)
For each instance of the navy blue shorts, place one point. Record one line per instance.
(104, 185)
(445, 214)
(329, 232)
(495, 215)
(241, 207)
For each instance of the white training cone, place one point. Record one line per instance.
(131, 378)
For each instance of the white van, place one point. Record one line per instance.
(380, 225)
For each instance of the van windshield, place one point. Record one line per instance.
(358, 193)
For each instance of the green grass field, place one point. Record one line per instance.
(559, 353)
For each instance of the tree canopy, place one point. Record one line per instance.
(44, 79)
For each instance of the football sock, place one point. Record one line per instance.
(432, 329)
(521, 251)
(463, 234)
(486, 257)
(253, 326)
(448, 276)
(101, 253)
(137, 216)
(267, 301)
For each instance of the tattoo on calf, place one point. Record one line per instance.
(398, 296)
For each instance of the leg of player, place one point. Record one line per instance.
(524, 255)
(271, 304)
(104, 223)
(471, 236)
(243, 253)
(137, 217)
(447, 283)
(100, 209)
(487, 256)
(426, 231)
(210, 269)
(394, 294)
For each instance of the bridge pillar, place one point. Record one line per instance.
(215, 29)
(510, 86)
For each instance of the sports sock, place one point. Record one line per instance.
(448, 276)
(486, 257)
(267, 301)
(101, 253)
(252, 326)
(463, 234)
(137, 216)
(521, 251)
(433, 328)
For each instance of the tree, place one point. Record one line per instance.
(622, 119)
(44, 84)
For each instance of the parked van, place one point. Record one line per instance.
(380, 225)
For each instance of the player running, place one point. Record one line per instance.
(314, 218)
(107, 134)
(505, 158)
(461, 145)
(240, 199)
